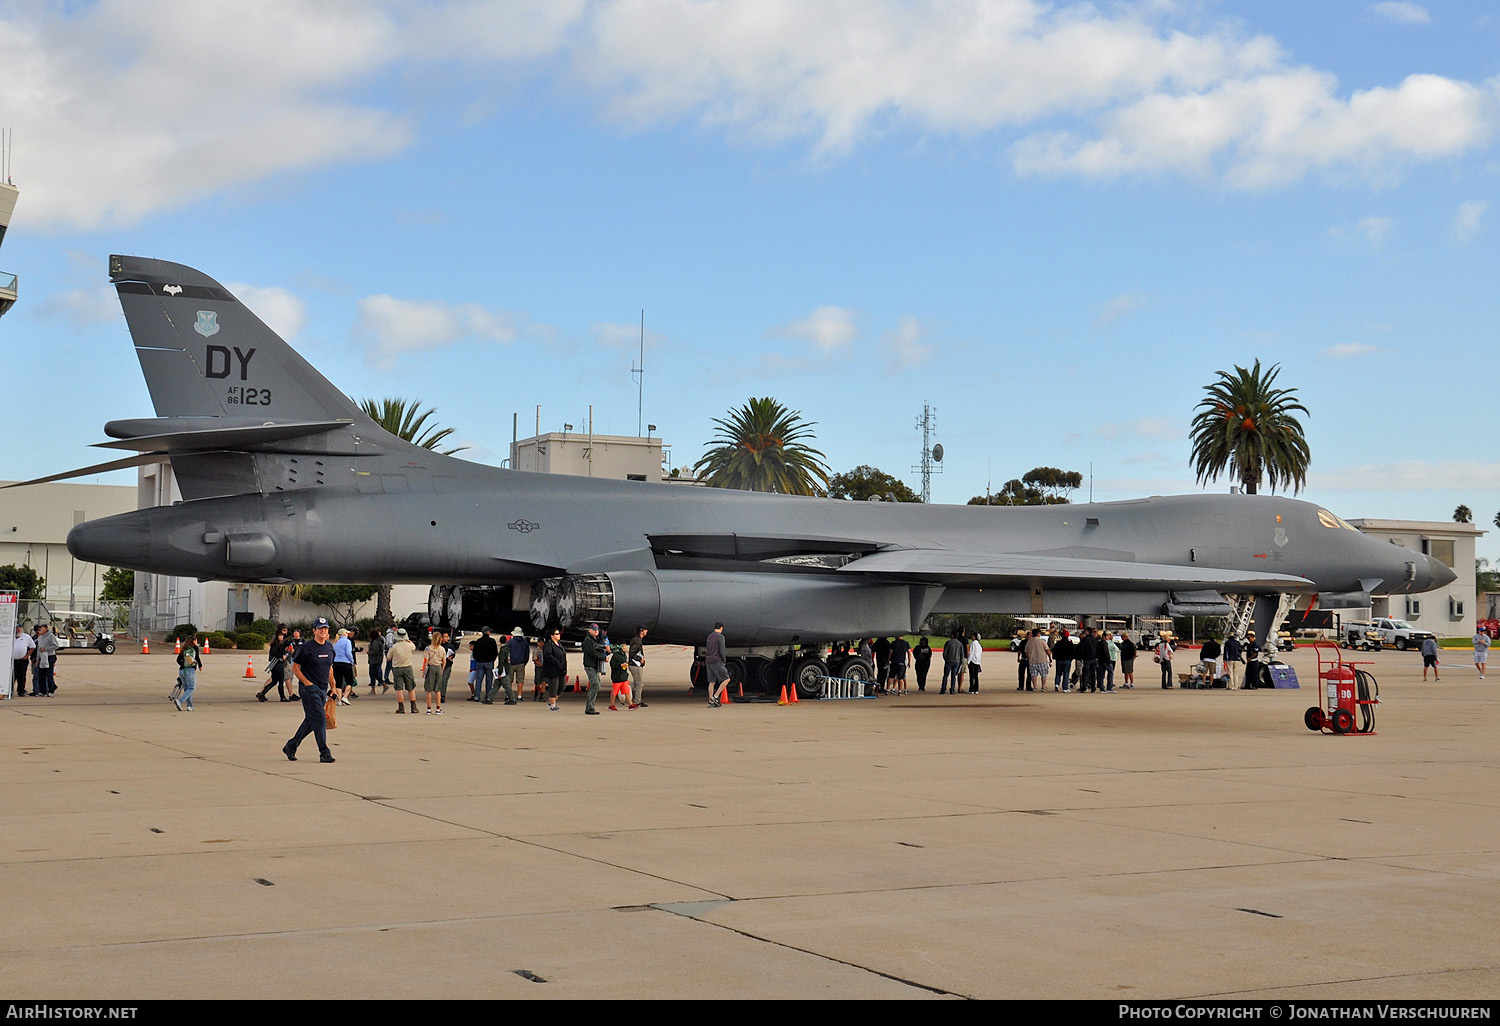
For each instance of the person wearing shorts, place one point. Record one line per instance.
(1481, 651)
(1038, 661)
(1430, 658)
(432, 674)
(403, 671)
(900, 647)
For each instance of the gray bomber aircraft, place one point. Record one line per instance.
(284, 478)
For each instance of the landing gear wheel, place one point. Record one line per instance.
(1342, 720)
(736, 683)
(858, 668)
(1313, 718)
(807, 675)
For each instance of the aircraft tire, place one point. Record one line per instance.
(807, 674)
(760, 673)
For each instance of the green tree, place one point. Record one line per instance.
(1485, 579)
(405, 419)
(341, 600)
(119, 585)
(762, 447)
(23, 579)
(986, 625)
(275, 594)
(1463, 515)
(1246, 427)
(865, 481)
(1040, 486)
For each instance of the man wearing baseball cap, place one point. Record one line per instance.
(595, 658)
(312, 665)
(403, 671)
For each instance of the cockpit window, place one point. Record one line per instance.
(1327, 519)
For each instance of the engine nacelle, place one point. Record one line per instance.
(757, 608)
(460, 608)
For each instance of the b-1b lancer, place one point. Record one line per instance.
(284, 478)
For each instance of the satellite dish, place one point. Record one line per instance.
(937, 452)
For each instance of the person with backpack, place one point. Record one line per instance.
(189, 662)
(275, 666)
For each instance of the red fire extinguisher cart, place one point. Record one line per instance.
(1348, 695)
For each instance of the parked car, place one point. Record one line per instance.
(1399, 634)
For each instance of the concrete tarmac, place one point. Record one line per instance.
(1144, 845)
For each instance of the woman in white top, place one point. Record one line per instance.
(976, 656)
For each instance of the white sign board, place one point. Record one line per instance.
(9, 605)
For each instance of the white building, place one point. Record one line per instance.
(627, 457)
(34, 526)
(1448, 612)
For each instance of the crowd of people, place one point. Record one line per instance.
(321, 674)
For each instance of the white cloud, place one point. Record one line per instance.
(1466, 224)
(1159, 429)
(828, 328)
(1273, 129)
(1408, 475)
(902, 345)
(1373, 230)
(1401, 12)
(84, 306)
(1347, 350)
(397, 326)
(283, 312)
(1118, 307)
(128, 107)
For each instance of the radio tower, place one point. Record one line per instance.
(932, 455)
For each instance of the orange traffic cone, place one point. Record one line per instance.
(177, 645)
(145, 645)
(206, 649)
(782, 700)
(250, 668)
(792, 694)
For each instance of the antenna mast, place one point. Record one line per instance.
(639, 373)
(932, 455)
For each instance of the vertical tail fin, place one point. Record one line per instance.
(204, 354)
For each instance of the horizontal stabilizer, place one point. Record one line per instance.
(98, 468)
(949, 567)
(240, 437)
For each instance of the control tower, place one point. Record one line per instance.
(8, 194)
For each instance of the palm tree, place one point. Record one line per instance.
(274, 594)
(760, 448)
(405, 419)
(1246, 426)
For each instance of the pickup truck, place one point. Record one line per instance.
(1399, 634)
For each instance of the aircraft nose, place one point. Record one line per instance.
(1438, 575)
(113, 541)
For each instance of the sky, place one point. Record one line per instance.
(1054, 223)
